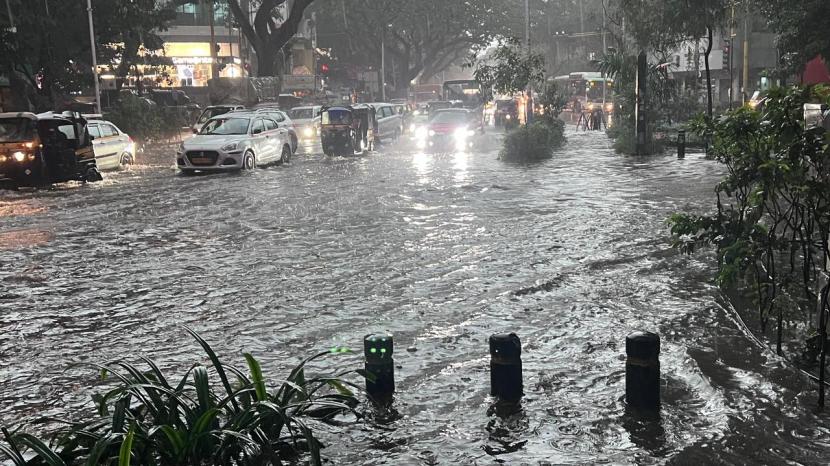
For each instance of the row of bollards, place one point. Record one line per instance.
(642, 369)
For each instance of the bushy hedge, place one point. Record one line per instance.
(533, 142)
(145, 120)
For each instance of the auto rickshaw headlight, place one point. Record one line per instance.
(19, 156)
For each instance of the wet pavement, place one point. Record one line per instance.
(442, 250)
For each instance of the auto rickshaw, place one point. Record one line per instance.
(47, 148)
(506, 114)
(348, 130)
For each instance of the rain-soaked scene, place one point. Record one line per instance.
(414, 232)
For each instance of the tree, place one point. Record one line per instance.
(49, 54)
(421, 37)
(662, 25)
(269, 32)
(801, 27)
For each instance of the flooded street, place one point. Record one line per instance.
(441, 250)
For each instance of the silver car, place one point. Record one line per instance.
(113, 148)
(235, 141)
(306, 121)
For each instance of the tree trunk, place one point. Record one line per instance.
(708, 73)
(266, 59)
(128, 57)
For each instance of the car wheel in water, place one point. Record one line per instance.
(185, 172)
(248, 161)
(286, 154)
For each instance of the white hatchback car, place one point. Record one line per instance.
(306, 121)
(235, 141)
(113, 148)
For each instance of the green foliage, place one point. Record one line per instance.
(533, 142)
(801, 27)
(54, 43)
(509, 69)
(622, 68)
(145, 121)
(773, 209)
(144, 418)
(552, 102)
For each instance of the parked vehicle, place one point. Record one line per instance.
(113, 148)
(212, 111)
(450, 129)
(306, 121)
(390, 123)
(348, 130)
(235, 141)
(47, 148)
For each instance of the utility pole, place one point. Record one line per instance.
(529, 104)
(383, 64)
(94, 57)
(214, 60)
(604, 50)
(12, 29)
(746, 55)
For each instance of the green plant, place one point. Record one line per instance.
(773, 207)
(145, 121)
(149, 420)
(533, 142)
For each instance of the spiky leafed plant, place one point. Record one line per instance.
(147, 419)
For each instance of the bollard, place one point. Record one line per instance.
(506, 367)
(642, 371)
(681, 144)
(377, 349)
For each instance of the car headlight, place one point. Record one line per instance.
(19, 156)
(462, 133)
(230, 147)
(308, 132)
(412, 127)
(431, 132)
(3, 158)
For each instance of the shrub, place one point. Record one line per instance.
(533, 142)
(154, 421)
(145, 120)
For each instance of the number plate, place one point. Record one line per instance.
(201, 160)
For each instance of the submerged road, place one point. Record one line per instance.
(442, 250)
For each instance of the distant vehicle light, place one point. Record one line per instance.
(19, 156)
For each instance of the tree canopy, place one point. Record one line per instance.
(422, 37)
(48, 54)
(801, 28)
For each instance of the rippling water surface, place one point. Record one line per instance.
(442, 250)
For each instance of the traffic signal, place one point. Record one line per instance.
(727, 50)
(324, 69)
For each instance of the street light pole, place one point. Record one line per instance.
(529, 103)
(383, 64)
(94, 57)
(12, 29)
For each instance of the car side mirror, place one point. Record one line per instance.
(256, 131)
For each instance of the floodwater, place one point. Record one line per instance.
(441, 250)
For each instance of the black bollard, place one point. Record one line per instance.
(681, 144)
(506, 367)
(642, 371)
(378, 351)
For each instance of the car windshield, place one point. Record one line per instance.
(450, 118)
(16, 130)
(212, 112)
(337, 117)
(306, 113)
(226, 126)
(505, 104)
